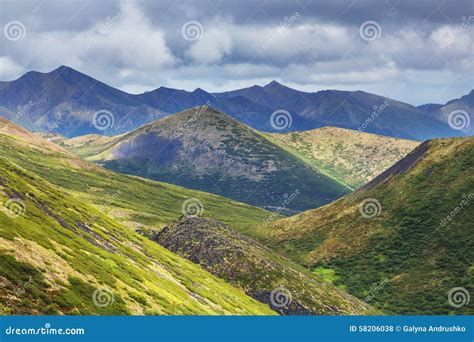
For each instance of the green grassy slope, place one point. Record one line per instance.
(354, 158)
(82, 146)
(407, 258)
(140, 203)
(59, 255)
(288, 288)
(204, 149)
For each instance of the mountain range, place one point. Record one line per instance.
(380, 243)
(72, 104)
(207, 150)
(78, 239)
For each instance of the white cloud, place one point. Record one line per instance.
(9, 69)
(215, 43)
(125, 39)
(138, 46)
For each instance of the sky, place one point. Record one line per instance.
(413, 51)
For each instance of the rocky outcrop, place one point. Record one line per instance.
(243, 262)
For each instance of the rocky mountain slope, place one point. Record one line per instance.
(287, 288)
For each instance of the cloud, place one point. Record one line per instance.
(9, 69)
(215, 43)
(123, 39)
(138, 45)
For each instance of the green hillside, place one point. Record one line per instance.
(354, 158)
(417, 245)
(207, 150)
(59, 255)
(139, 203)
(288, 288)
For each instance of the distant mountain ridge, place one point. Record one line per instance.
(66, 101)
(458, 113)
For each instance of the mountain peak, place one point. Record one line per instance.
(65, 69)
(273, 84)
(200, 91)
